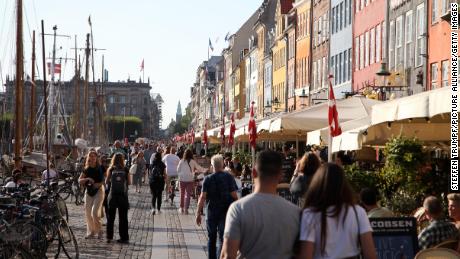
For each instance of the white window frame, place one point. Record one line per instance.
(372, 51)
(399, 48)
(366, 50)
(345, 18)
(341, 9)
(434, 11)
(420, 41)
(409, 30)
(314, 75)
(378, 43)
(356, 50)
(445, 73)
(361, 51)
(325, 72)
(434, 75)
(391, 50)
(350, 60)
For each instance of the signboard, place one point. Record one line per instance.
(395, 238)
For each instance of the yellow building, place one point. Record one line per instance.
(279, 56)
(239, 86)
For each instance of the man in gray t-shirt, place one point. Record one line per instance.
(262, 225)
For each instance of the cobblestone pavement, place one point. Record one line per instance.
(168, 235)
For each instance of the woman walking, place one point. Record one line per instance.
(157, 180)
(141, 166)
(92, 177)
(332, 225)
(186, 171)
(118, 180)
(303, 174)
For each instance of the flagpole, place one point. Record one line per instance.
(329, 136)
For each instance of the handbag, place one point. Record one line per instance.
(133, 169)
(91, 191)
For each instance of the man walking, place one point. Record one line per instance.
(148, 152)
(219, 191)
(262, 224)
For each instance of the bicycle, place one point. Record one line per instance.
(172, 189)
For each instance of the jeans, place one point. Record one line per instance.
(120, 203)
(215, 226)
(186, 189)
(93, 211)
(156, 195)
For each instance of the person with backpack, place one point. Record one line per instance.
(157, 180)
(118, 180)
(93, 178)
(219, 191)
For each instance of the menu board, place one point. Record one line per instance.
(395, 238)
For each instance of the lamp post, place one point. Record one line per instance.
(303, 96)
(383, 72)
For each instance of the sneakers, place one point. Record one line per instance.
(186, 212)
(181, 211)
(152, 211)
(159, 212)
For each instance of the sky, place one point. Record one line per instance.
(170, 36)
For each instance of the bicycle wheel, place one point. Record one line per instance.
(67, 240)
(34, 239)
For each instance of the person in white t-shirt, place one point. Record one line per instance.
(171, 161)
(186, 171)
(332, 225)
(53, 175)
(15, 180)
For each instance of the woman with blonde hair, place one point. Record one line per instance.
(92, 177)
(118, 180)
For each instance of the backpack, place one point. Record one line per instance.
(156, 175)
(118, 181)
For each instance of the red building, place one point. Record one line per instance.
(438, 74)
(368, 42)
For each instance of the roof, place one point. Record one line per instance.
(242, 36)
(286, 6)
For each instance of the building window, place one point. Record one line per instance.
(408, 39)
(372, 53)
(315, 32)
(434, 75)
(445, 73)
(445, 6)
(366, 52)
(361, 5)
(420, 35)
(325, 72)
(326, 22)
(349, 12)
(333, 68)
(333, 20)
(361, 51)
(111, 99)
(434, 11)
(399, 42)
(314, 75)
(356, 49)
(308, 23)
(319, 74)
(391, 55)
(341, 16)
(122, 99)
(345, 67)
(346, 13)
(349, 64)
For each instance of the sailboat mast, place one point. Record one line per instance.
(77, 95)
(85, 104)
(32, 98)
(19, 108)
(52, 92)
(45, 103)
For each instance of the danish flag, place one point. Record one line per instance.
(334, 126)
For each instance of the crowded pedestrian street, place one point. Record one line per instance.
(238, 129)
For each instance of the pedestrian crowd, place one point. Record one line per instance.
(325, 218)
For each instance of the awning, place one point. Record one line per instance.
(316, 117)
(422, 105)
(349, 128)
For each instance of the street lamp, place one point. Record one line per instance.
(302, 96)
(383, 72)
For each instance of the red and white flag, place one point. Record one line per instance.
(231, 137)
(252, 128)
(57, 68)
(334, 126)
(142, 65)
